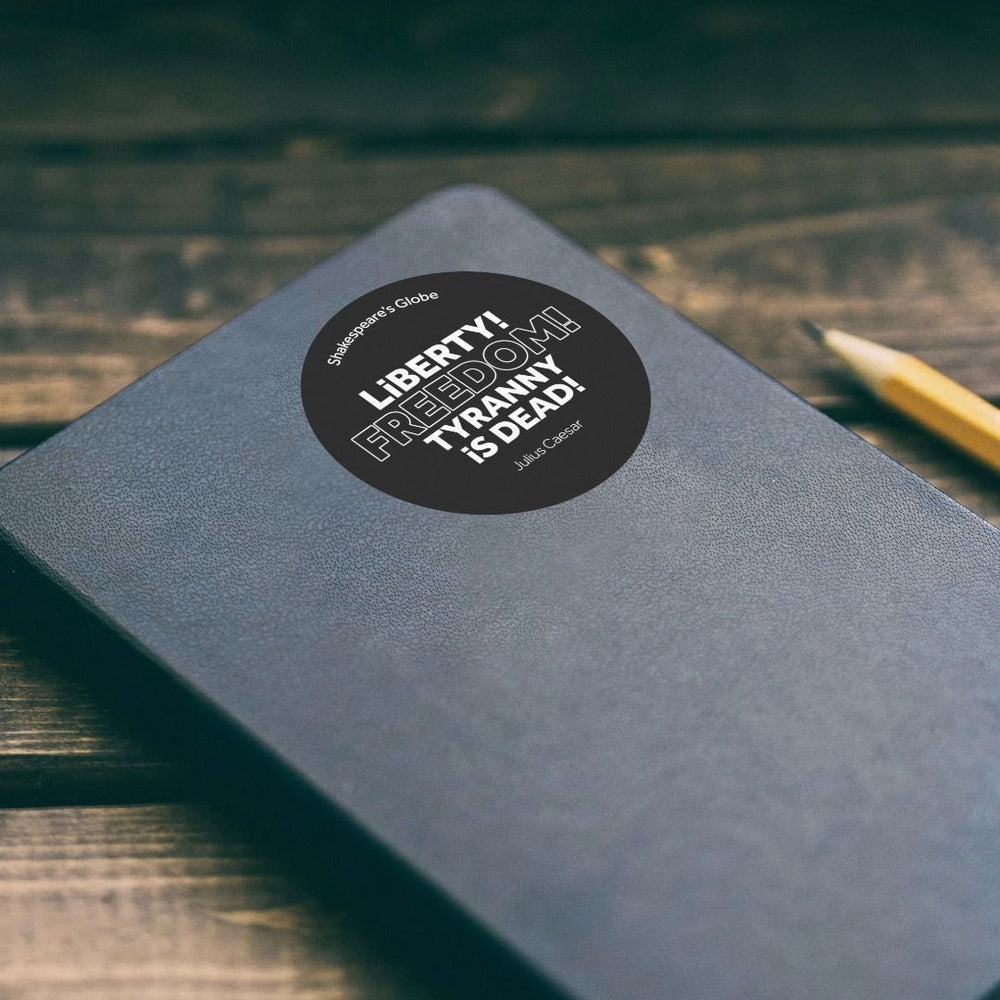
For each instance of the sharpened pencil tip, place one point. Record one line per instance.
(813, 330)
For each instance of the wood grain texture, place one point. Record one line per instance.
(107, 270)
(151, 72)
(168, 901)
(61, 743)
(312, 186)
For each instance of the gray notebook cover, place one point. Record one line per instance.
(712, 714)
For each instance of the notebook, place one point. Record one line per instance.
(655, 673)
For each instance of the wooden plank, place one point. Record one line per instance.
(900, 275)
(142, 903)
(603, 194)
(121, 73)
(61, 743)
(897, 243)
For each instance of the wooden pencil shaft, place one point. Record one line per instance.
(922, 393)
(943, 406)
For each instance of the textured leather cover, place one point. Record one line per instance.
(723, 727)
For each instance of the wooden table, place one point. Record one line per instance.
(148, 192)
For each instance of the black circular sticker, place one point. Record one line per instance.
(475, 393)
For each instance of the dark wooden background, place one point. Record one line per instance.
(164, 165)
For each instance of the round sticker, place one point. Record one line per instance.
(475, 393)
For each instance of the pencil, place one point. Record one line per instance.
(920, 392)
